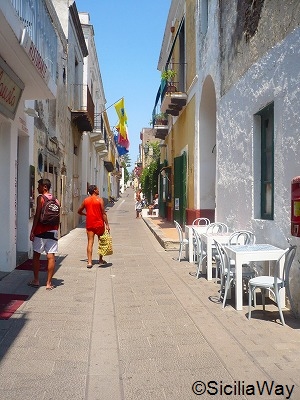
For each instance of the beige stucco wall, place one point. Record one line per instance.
(190, 42)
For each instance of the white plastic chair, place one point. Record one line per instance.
(217, 227)
(242, 237)
(227, 272)
(237, 238)
(182, 241)
(201, 221)
(273, 283)
(199, 252)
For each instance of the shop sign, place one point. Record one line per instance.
(35, 56)
(11, 88)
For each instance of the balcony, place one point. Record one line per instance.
(24, 48)
(100, 145)
(109, 166)
(102, 153)
(96, 135)
(160, 125)
(172, 88)
(82, 108)
(173, 100)
(161, 129)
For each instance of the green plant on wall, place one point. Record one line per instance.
(149, 176)
(149, 179)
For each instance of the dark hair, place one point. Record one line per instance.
(45, 182)
(92, 188)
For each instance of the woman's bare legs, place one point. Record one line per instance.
(90, 244)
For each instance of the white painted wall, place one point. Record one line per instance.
(276, 78)
(7, 195)
(93, 170)
(271, 79)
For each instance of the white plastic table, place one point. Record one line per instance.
(243, 254)
(208, 239)
(189, 250)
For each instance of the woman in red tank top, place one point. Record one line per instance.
(96, 220)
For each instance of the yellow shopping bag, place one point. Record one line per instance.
(105, 244)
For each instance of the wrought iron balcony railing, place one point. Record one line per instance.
(172, 90)
(38, 24)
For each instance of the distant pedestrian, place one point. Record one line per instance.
(96, 220)
(44, 238)
(138, 204)
(154, 205)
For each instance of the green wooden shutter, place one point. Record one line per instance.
(180, 188)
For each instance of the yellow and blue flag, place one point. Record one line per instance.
(122, 125)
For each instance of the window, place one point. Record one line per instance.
(267, 161)
(204, 16)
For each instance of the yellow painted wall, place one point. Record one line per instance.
(182, 138)
(182, 135)
(190, 43)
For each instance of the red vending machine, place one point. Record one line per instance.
(295, 206)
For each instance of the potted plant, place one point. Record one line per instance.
(161, 119)
(169, 75)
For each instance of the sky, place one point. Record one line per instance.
(128, 37)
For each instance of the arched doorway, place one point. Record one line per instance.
(207, 150)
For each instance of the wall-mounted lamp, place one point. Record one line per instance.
(164, 174)
(31, 112)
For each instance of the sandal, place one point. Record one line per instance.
(32, 284)
(89, 266)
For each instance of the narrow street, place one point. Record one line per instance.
(142, 328)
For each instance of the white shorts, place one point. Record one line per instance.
(41, 245)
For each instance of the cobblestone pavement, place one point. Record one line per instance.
(141, 328)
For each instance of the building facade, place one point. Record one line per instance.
(176, 99)
(50, 93)
(238, 133)
(98, 148)
(258, 121)
(27, 72)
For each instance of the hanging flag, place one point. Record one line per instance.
(122, 125)
(121, 150)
